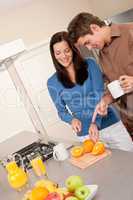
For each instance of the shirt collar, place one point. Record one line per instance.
(115, 30)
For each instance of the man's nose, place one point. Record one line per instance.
(89, 47)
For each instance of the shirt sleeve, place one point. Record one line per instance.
(98, 86)
(55, 94)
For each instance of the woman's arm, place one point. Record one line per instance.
(61, 108)
(60, 105)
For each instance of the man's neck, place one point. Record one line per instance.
(107, 35)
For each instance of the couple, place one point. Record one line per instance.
(76, 88)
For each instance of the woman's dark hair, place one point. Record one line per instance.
(80, 66)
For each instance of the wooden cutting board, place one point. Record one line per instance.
(88, 159)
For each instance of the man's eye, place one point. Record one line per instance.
(67, 50)
(86, 43)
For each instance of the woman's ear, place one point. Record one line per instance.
(94, 28)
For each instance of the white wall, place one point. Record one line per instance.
(104, 8)
(37, 20)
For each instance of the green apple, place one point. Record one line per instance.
(73, 182)
(82, 192)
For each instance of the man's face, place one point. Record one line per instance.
(95, 40)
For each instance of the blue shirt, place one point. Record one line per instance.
(80, 99)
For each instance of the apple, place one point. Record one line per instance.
(53, 196)
(82, 192)
(62, 191)
(71, 198)
(73, 182)
(68, 194)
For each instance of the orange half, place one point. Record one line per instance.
(98, 148)
(77, 151)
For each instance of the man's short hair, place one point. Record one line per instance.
(80, 25)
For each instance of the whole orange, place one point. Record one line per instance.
(88, 145)
(77, 151)
(38, 193)
(98, 148)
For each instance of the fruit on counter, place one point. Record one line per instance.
(77, 151)
(54, 196)
(62, 191)
(82, 192)
(72, 198)
(38, 193)
(73, 182)
(98, 148)
(88, 145)
(69, 194)
(50, 185)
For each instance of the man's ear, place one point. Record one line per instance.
(94, 28)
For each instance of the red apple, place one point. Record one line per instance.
(53, 196)
(69, 194)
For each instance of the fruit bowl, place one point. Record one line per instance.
(93, 189)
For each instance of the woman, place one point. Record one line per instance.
(76, 88)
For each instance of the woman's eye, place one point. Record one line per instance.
(57, 53)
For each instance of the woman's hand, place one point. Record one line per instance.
(93, 132)
(76, 125)
(126, 83)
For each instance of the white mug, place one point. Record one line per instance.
(59, 152)
(115, 89)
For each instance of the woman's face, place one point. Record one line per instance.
(63, 53)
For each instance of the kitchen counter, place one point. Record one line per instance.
(113, 175)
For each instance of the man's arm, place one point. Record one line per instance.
(102, 106)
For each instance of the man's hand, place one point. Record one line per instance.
(76, 125)
(93, 132)
(102, 106)
(126, 83)
(101, 109)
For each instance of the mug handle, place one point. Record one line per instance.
(55, 155)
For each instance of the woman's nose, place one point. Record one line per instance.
(63, 55)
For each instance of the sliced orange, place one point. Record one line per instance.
(77, 151)
(88, 145)
(98, 148)
(38, 193)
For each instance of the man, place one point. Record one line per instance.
(115, 43)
